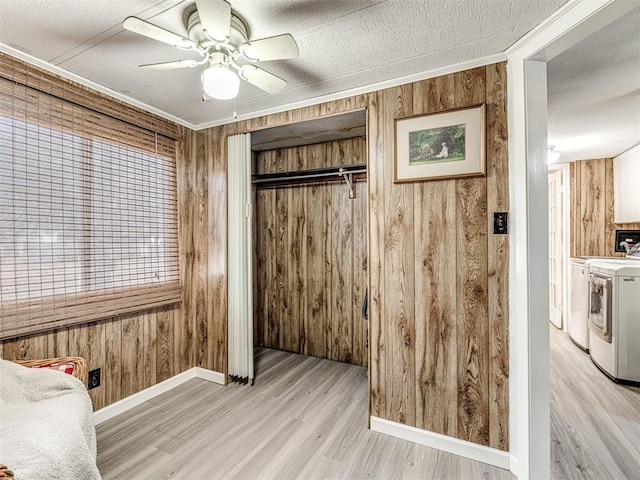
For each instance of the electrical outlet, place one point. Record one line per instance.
(94, 379)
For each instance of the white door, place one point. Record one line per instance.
(555, 247)
(240, 307)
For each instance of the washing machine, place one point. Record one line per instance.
(614, 318)
(578, 318)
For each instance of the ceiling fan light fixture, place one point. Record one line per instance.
(219, 82)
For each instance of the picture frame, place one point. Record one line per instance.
(440, 145)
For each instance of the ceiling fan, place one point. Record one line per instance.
(221, 38)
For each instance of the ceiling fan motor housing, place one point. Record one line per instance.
(239, 33)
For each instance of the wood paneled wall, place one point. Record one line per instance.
(133, 351)
(139, 350)
(593, 230)
(311, 256)
(438, 277)
(439, 301)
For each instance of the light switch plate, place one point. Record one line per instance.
(500, 223)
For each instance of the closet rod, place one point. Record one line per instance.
(309, 174)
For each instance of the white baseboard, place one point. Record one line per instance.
(209, 375)
(136, 399)
(513, 465)
(487, 455)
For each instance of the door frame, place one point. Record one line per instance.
(556, 246)
(529, 423)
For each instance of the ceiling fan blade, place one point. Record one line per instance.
(142, 27)
(279, 47)
(171, 65)
(263, 80)
(215, 17)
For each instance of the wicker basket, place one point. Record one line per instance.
(5, 472)
(80, 370)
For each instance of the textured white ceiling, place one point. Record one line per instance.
(594, 88)
(594, 93)
(343, 44)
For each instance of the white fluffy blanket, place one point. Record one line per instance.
(46, 425)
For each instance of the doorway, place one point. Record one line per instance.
(558, 245)
(528, 156)
(310, 223)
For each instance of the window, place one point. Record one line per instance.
(88, 215)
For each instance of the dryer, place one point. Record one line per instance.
(614, 318)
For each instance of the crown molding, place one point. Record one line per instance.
(558, 32)
(373, 87)
(394, 82)
(91, 84)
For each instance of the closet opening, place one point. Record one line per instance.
(310, 265)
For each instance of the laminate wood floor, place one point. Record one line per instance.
(305, 418)
(595, 423)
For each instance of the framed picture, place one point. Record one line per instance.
(440, 145)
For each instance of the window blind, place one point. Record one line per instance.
(88, 214)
